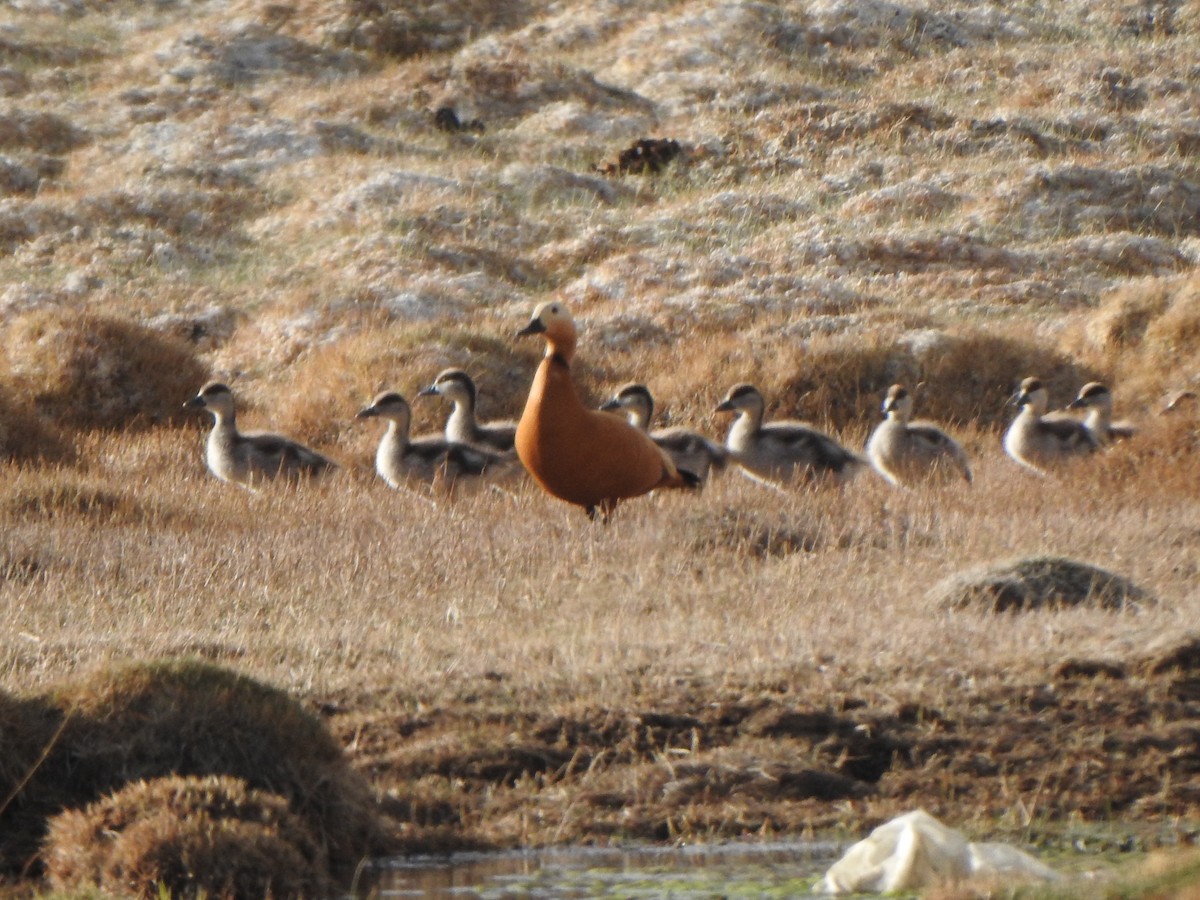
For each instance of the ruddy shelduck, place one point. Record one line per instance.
(250, 458)
(691, 450)
(586, 457)
(1039, 441)
(782, 452)
(903, 451)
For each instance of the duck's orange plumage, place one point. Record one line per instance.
(590, 458)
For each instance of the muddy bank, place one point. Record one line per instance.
(1097, 754)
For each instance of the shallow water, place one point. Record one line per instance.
(681, 873)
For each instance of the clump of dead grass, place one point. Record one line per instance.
(44, 495)
(398, 29)
(331, 382)
(966, 375)
(144, 721)
(88, 371)
(1036, 583)
(194, 837)
(25, 435)
(41, 131)
(1147, 333)
(27, 728)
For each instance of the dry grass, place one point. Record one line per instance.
(143, 722)
(95, 372)
(449, 640)
(193, 837)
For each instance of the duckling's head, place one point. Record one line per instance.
(388, 405)
(898, 403)
(552, 320)
(217, 398)
(1091, 394)
(742, 398)
(635, 399)
(453, 384)
(1032, 393)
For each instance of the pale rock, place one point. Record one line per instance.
(916, 851)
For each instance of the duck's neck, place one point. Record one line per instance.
(744, 427)
(396, 436)
(1099, 419)
(561, 346)
(639, 417)
(224, 427)
(461, 424)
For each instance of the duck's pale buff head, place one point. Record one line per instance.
(215, 397)
(551, 320)
(388, 405)
(1092, 394)
(742, 398)
(898, 402)
(1033, 394)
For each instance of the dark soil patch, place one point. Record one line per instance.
(1115, 744)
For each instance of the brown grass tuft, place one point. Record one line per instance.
(194, 837)
(1148, 335)
(1034, 583)
(403, 30)
(38, 496)
(190, 718)
(88, 371)
(332, 382)
(25, 435)
(44, 132)
(27, 727)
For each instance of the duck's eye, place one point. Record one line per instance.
(554, 309)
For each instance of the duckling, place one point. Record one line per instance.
(247, 459)
(586, 457)
(903, 451)
(785, 451)
(400, 459)
(1097, 399)
(456, 386)
(1038, 441)
(690, 450)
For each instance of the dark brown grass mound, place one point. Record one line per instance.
(966, 376)
(188, 718)
(1148, 334)
(27, 728)
(195, 837)
(44, 132)
(392, 28)
(88, 371)
(24, 435)
(1035, 583)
